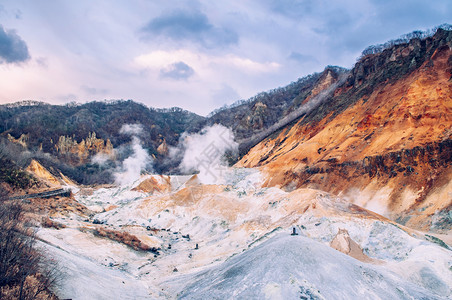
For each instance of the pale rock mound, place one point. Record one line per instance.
(42, 173)
(153, 184)
(343, 243)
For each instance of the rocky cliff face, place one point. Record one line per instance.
(383, 138)
(259, 113)
(43, 174)
(22, 140)
(86, 148)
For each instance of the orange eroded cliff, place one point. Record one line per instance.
(389, 151)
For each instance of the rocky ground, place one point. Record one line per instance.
(174, 237)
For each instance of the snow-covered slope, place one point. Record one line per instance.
(83, 278)
(297, 267)
(232, 240)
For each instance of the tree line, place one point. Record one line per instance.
(417, 34)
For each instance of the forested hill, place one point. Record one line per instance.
(74, 133)
(44, 124)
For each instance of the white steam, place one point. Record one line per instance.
(131, 129)
(373, 200)
(204, 152)
(100, 158)
(131, 168)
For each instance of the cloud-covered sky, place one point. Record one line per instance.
(198, 55)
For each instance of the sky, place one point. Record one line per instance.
(198, 55)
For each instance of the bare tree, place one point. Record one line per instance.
(24, 272)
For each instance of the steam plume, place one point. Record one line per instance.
(131, 167)
(204, 152)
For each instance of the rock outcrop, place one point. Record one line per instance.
(154, 184)
(162, 149)
(42, 173)
(85, 148)
(383, 139)
(343, 242)
(22, 140)
(263, 111)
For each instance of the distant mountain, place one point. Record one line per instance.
(382, 138)
(254, 119)
(359, 159)
(75, 132)
(396, 98)
(45, 123)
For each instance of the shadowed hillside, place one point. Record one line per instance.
(383, 138)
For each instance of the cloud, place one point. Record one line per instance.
(43, 62)
(193, 26)
(336, 23)
(18, 14)
(178, 24)
(93, 91)
(67, 97)
(225, 94)
(293, 9)
(302, 58)
(12, 48)
(177, 71)
(161, 59)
